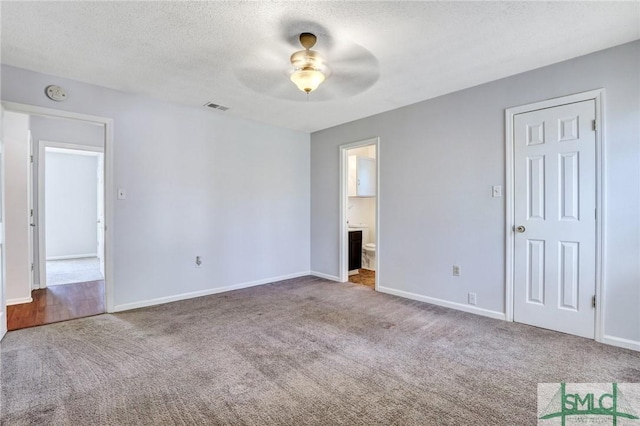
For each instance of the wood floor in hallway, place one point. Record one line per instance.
(58, 303)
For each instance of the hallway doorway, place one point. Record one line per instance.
(70, 208)
(68, 278)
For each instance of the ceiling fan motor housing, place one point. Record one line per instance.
(307, 59)
(308, 40)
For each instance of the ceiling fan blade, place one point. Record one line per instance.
(263, 79)
(352, 56)
(350, 84)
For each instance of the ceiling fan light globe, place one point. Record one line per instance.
(307, 80)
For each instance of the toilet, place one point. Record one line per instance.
(369, 256)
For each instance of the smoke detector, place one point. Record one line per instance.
(55, 93)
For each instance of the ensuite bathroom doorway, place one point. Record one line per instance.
(360, 212)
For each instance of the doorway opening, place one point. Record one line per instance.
(359, 213)
(71, 213)
(68, 267)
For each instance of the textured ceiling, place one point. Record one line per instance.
(383, 55)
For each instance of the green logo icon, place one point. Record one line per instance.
(587, 401)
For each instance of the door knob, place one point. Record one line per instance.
(520, 229)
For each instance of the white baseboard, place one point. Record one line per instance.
(447, 304)
(3, 325)
(208, 292)
(19, 301)
(325, 276)
(72, 256)
(620, 342)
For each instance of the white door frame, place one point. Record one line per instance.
(31, 213)
(100, 216)
(42, 211)
(109, 184)
(598, 96)
(344, 177)
(3, 300)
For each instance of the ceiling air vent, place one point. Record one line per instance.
(216, 106)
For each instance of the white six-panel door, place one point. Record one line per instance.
(555, 218)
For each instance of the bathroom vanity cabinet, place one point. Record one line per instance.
(355, 250)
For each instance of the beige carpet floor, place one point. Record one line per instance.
(70, 271)
(298, 352)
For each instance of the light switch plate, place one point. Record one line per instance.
(496, 191)
(122, 194)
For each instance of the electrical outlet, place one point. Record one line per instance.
(198, 261)
(472, 298)
(456, 270)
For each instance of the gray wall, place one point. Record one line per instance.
(438, 161)
(199, 182)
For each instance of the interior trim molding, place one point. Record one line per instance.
(325, 276)
(3, 324)
(445, 303)
(634, 345)
(207, 292)
(19, 301)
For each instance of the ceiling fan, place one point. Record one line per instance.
(309, 66)
(343, 68)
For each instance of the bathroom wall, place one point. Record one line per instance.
(360, 209)
(364, 151)
(363, 210)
